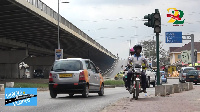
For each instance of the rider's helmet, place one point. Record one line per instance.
(137, 47)
(132, 50)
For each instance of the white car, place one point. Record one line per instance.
(151, 76)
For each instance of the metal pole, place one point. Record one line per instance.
(58, 28)
(157, 53)
(192, 49)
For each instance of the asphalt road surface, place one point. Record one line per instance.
(64, 103)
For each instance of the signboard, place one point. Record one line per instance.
(173, 37)
(58, 54)
(186, 56)
(20, 96)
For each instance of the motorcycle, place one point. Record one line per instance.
(135, 85)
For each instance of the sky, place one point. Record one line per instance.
(113, 22)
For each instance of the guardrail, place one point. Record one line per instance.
(46, 9)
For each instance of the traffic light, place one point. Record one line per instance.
(157, 21)
(150, 18)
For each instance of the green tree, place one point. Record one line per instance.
(149, 50)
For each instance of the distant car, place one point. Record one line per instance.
(183, 72)
(38, 73)
(163, 76)
(119, 75)
(193, 76)
(75, 76)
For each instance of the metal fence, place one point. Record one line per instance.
(43, 7)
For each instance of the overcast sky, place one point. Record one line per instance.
(112, 22)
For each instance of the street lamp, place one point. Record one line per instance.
(58, 25)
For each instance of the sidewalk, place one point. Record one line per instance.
(187, 101)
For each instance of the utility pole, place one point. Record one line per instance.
(192, 46)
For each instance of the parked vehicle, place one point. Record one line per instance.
(183, 72)
(151, 77)
(75, 76)
(193, 76)
(38, 73)
(163, 76)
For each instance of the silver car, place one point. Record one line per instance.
(75, 76)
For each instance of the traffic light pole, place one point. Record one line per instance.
(157, 53)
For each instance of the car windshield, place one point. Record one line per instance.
(187, 70)
(192, 73)
(67, 65)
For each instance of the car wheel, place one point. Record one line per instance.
(154, 84)
(71, 95)
(86, 92)
(53, 94)
(148, 83)
(180, 80)
(101, 92)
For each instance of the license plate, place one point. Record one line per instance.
(191, 76)
(65, 75)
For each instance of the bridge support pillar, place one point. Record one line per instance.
(9, 63)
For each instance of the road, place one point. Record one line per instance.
(62, 103)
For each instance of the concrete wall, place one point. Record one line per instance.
(13, 57)
(8, 71)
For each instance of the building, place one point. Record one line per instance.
(175, 52)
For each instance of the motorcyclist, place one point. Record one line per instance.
(137, 59)
(131, 52)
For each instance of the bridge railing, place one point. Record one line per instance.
(43, 7)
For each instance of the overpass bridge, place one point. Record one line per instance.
(28, 33)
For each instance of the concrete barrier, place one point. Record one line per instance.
(160, 90)
(190, 85)
(1, 87)
(9, 84)
(184, 86)
(176, 88)
(169, 89)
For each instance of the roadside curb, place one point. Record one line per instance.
(42, 89)
(109, 86)
(172, 77)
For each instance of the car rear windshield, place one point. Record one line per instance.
(192, 73)
(67, 65)
(187, 70)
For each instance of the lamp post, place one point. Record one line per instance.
(58, 24)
